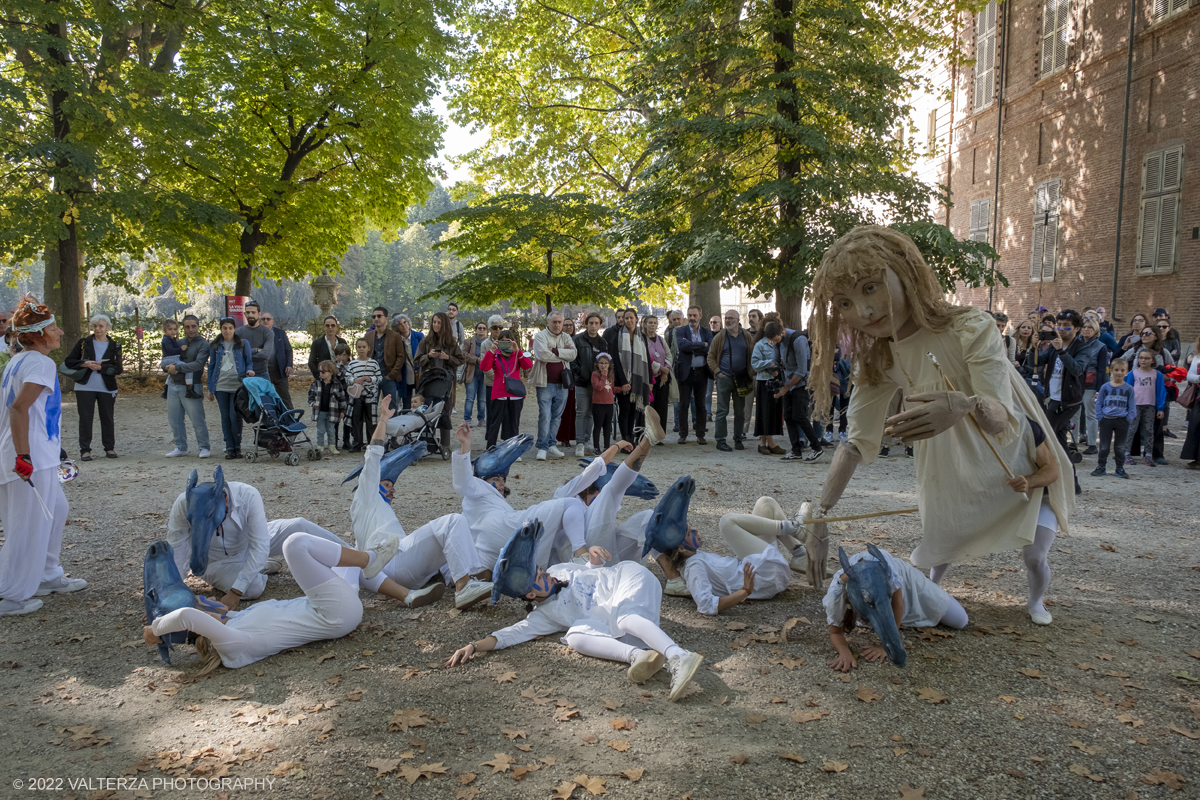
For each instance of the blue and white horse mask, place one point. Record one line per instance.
(395, 462)
(206, 509)
(164, 591)
(497, 459)
(641, 488)
(668, 524)
(868, 591)
(516, 567)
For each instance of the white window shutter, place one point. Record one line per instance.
(1152, 181)
(1050, 248)
(1053, 196)
(1164, 257)
(1178, 5)
(1148, 234)
(1060, 34)
(985, 56)
(1171, 172)
(1161, 8)
(1048, 8)
(1035, 261)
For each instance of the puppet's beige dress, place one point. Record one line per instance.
(967, 509)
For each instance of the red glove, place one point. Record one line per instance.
(24, 466)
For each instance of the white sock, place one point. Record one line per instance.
(787, 527)
(937, 572)
(674, 651)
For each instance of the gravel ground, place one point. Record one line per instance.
(1104, 703)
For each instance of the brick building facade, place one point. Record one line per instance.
(1050, 82)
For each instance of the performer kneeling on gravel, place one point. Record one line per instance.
(443, 543)
(607, 612)
(330, 608)
(219, 532)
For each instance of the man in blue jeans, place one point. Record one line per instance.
(729, 361)
(195, 356)
(553, 352)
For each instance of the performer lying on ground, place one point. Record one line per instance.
(330, 608)
(885, 593)
(443, 543)
(493, 520)
(219, 532)
(874, 289)
(757, 571)
(607, 612)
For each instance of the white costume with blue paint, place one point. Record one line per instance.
(33, 533)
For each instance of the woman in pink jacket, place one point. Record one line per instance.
(508, 390)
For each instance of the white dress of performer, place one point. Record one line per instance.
(446, 542)
(33, 532)
(925, 603)
(239, 550)
(967, 509)
(330, 609)
(493, 520)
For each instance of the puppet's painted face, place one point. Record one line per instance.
(865, 307)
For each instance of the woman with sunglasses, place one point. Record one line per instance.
(1149, 339)
(1136, 325)
(1172, 345)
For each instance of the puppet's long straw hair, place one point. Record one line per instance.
(866, 251)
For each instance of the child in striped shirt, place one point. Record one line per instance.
(363, 377)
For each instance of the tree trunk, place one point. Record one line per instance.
(787, 303)
(66, 184)
(549, 274)
(707, 295)
(245, 274)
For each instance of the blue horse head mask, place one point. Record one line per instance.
(668, 524)
(867, 589)
(164, 591)
(497, 459)
(206, 508)
(516, 566)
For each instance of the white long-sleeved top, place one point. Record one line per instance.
(330, 611)
(493, 521)
(372, 517)
(238, 553)
(710, 576)
(925, 602)
(592, 602)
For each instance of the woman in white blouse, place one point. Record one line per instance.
(101, 356)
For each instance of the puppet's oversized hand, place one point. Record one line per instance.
(931, 413)
(817, 545)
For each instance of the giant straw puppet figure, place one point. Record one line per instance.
(874, 288)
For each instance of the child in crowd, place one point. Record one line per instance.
(363, 377)
(328, 398)
(602, 401)
(1116, 409)
(1150, 395)
(173, 349)
(341, 354)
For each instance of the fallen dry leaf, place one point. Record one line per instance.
(803, 716)
(469, 793)
(1008, 698)
(563, 714)
(1032, 673)
(932, 695)
(1084, 772)
(540, 697)
(755, 719)
(403, 719)
(867, 694)
(513, 734)
(834, 766)
(594, 786)
(634, 775)
(466, 778)
(740, 758)
(620, 745)
(590, 739)
(736, 626)
(899, 751)
(1013, 771)
(501, 763)
(1129, 720)
(1160, 777)
(612, 705)
(909, 793)
(507, 677)
(1091, 750)
(326, 657)
(1191, 734)
(787, 627)
(793, 757)
(564, 790)
(622, 724)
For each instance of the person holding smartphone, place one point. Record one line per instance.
(440, 349)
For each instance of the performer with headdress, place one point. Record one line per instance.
(32, 502)
(219, 531)
(607, 612)
(443, 545)
(330, 608)
(880, 590)
(968, 410)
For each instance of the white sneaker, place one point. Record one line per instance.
(677, 587)
(334, 450)
(1041, 617)
(273, 565)
(176, 453)
(580, 450)
(384, 552)
(654, 429)
(682, 669)
(555, 452)
(204, 453)
(645, 664)
(12, 608)
(60, 585)
(419, 598)
(472, 593)
(541, 456)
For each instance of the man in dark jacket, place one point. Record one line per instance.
(588, 345)
(729, 362)
(691, 371)
(279, 365)
(179, 405)
(1065, 367)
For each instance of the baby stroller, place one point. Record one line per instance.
(421, 424)
(276, 429)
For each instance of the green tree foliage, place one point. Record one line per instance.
(310, 120)
(80, 89)
(401, 275)
(528, 248)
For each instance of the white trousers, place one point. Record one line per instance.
(747, 534)
(222, 573)
(32, 539)
(602, 513)
(444, 542)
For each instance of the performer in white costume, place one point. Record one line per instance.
(32, 502)
(607, 612)
(330, 608)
